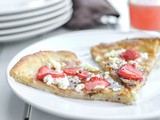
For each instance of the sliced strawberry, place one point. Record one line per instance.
(96, 81)
(134, 65)
(130, 54)
(128, 71)
(55, 74)
(45, 70)
(42, 72)
(83, 74)
(71, 71)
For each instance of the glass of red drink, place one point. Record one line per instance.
(145, 14)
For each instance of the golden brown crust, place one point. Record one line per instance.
(149, 45)
(26, 69)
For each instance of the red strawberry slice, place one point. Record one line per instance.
(55, 74)
(42, 72)
(128, 71)
(134, 65)
(83, 74)
(45, 70)
(71, 71)
(130, 54)
(96, 81)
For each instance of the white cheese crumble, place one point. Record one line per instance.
(115, 61)
(88, 79)
(74, 79)
(48, 80)
(114, 53)
(138, 60)
(89, 67)
(132, 62)
(56, 64)
(115, 66)
(79, 87)
(144, 56)
(62, 83)
(106, 75)
(99, 87)
(98, 59)
(117, 89)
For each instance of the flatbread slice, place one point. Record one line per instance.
(138, 53)
(87, 82)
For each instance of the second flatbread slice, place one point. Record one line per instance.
(107, 55)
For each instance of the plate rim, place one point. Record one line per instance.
(30, 34)
(148, 116)
(24, 15)
(21, 29)
(35, 19)
(30, 9)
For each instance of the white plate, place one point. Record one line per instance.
(148, 105)
(30, 34)
(38, 25)
(33, 20)
(19, 6)
(24, 15)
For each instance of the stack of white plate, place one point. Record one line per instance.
(21, 19)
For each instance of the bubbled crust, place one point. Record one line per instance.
(149, 45)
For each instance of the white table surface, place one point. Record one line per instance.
(13, 108)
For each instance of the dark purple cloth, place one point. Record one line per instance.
(86, 13)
